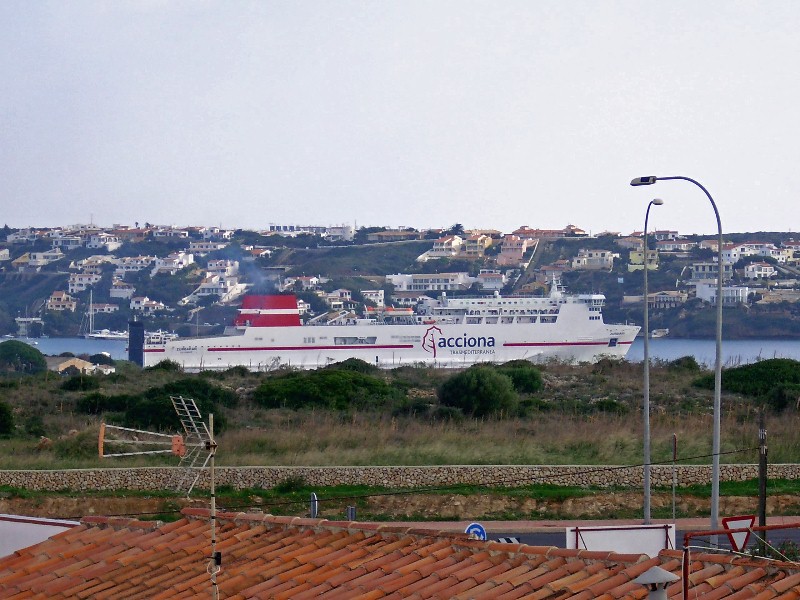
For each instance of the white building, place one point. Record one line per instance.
(731, 295)
(340, 233)
(223, 267)
(375, 296)
(759, 270)
(80, 282)
(132, 264)
(205, 246)
(172, 264)
(145, 305)
(594, 260)
(104, 240)
(120, 289)
(430, 281)
(489, 279)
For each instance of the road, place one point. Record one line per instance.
(553, 533)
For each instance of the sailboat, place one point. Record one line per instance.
(100, 334)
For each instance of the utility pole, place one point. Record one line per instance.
(762, 476)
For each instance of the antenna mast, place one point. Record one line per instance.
(123, 441)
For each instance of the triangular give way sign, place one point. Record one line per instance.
(739, 538)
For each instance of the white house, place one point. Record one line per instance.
(375, 296)
(445, 247)
(145, 305)
(80, 282)
(60, 300)
(223, 267)
(205, 246)
(759, 270)
(104, 240)
(120, 289)
(594, 260)
(430, 281)
(172, 263)
(132, 264)
(489, 279)
(708, 271)
(731, 295)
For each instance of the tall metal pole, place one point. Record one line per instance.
(646, 404)
(215, 564)
(650, 180)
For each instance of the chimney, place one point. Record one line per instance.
(656, 580)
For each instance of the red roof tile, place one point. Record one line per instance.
(290, 557)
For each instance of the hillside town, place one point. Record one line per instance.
(91, 280)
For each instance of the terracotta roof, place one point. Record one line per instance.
(291, 557)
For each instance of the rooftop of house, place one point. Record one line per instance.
(291, 557)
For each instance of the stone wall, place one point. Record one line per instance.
(159, 478)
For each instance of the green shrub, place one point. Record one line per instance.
(357, 365)
(96, 403)
(80, 383)
(101, 359)
(291, 485)
(684, 363)
(479, 391)
(333, 389)
(34, 426)
(82, 445)
(198, 389)
(6, 419)
(525, 377)
(166, 365)
(756, 379)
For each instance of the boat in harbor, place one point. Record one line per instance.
(445, 332)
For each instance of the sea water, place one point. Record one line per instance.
(734, 352)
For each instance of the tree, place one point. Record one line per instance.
(21, 358)
(479, 391)
(456, 229)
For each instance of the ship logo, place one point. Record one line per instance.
(429, 339)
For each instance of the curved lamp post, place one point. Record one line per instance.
(650, 180)
(646, 504)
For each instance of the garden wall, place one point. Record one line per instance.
(159, 478)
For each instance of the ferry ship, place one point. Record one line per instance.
(446, 332)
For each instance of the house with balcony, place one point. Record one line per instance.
(217, 234)
(172, 263)
(23, 236)
(132, 264)
(97, 308)
(408, 299)
(340, 233)
(636, 260)
(60, 301)
(490, 279)
(475, 246)
(103, 240)
(122, 290)
(759, 270)
(594, 260)
(203, 247)
(512, 250)
(170, 233)
(146, 306)
(80, 282)
(448, 246)
(732, 295)
(675, 245)
(223, 267)
(664, 234)
(709, 270)
(306, 283)
(419, 282)
(67, 242)
(374, 296)
(394, 235)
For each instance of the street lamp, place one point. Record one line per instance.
(650, 180)
(646, 506)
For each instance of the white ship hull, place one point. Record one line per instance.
(576, 335)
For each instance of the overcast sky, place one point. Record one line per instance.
(419, 113)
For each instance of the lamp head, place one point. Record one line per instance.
(644, 181)
(657, 201)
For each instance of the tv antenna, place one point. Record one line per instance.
(198, 439)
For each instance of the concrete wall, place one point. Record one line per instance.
(155, 478)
